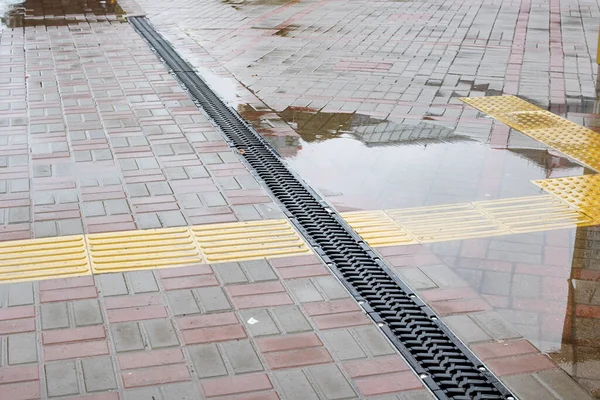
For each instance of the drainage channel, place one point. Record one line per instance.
(445, 365)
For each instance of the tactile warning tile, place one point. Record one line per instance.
(581, 192)
(43, 258)
(377, 228)
(571, 139)
(131, 250)
(536, 213)
(249, 240)
(447, 222)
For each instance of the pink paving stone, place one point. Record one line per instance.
(388, 383)
(375, 366)
(153, 358)
(235, 384)
(202, 321)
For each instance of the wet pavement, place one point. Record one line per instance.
(361, 99)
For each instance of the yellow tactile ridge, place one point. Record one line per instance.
(248, 240)
(377, 228)
(581, 192)
(569, 138)
(43, 258)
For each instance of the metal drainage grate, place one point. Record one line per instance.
(444, 364)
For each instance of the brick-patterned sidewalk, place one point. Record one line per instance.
(250, 330)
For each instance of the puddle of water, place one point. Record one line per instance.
(55, 13)
(546, 285)
(361, 162)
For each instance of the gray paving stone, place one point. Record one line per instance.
(117, 206)
(466, 329)
(304, 290)
(529, 286)
(496, 325)
(527, 387)
(291, 319)
(93, 208)
(443, 276)
(22, 348)
(265, 324)
(343, 345)
(213, 199)
(246, 213)
(212, 299)
(70, 227)
(562, 384)
(181, 391)
(43, 229)
(137, 190)
(98, 374)
(415, 278)
(230, 273)
(112, 284)
(161, 333)
(417, 395)
(242, 356)
(497, 283)
(295, 385)
(148, 393)
(259, 270)
(373, 341)
(54, 315)
(269, 211)
(127, 336)
(147, 221)
(182, 302)
(142, 281)
(331, 382)
(87, 312)
(331, 287)
(172, 218)
(207, 360)
(61, 378)
(20, 294)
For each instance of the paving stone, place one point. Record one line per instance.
(529, 286)
(242, 356)
(98, 374)
(161, 333)
(526, 387)
(443, 276)
(304, 290)
(247, 213)
(112, 284)
(180, 391)
(331, 287)
(416, 278)
(142, 281)
(68, 227)
(230, 273)
(295, 385)
(127, 336)
(331, 382)
(207, 360)
(61, 378)
(20, 294)
(22, 348)
(212, 299)
(497, 283)
(343, 345)
(466, 329)
(562, 384)
(87, 312)
(213, 199)
(148, 393)
(264, 324)
(372, 340)
(54, 315)
(291, 319)
(182, 302)
(417, 395)
(259, 270)
(496, 325)
(148, 221)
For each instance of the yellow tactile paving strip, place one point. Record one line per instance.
(581, 192)
(247, 241)
(377, 228)
(144, 249)
(571, 139)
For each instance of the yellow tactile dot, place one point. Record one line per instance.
(131, 250)
(581, 192)
(43, 258)
(377, 228)
(249, 240)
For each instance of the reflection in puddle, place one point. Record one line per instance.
(361, 162)
(546, 285)
(55, 13)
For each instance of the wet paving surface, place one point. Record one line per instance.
(360, 162)
(547, 285)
